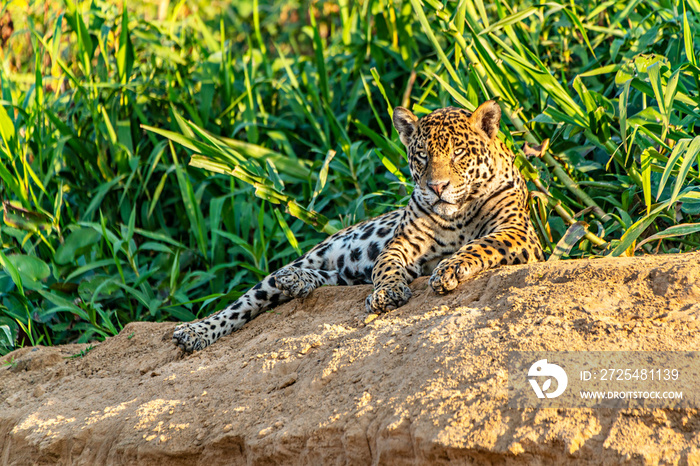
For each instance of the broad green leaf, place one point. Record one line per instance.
(678, 150)
(644, 61)
(12, 271)
(623, 102)
(599, 71)
(688, 160)
(625, 12)
(572, 236)
(287, 231)
(138, 295)
(85, 44)
(646, 158)
(628, 239)
(6, 336)
(274, 175)
(459, 98)
(108, 124)
(64, 305)
(30, 267)
(577, 22)
(125, 54)
(7, 128)
(181, 314)
(74, 244)
(89, 267)
(322, 176)
(688, 38)
(131, 225)
(674, 231)
(153, 246)
(624, 75)
(584, 95)
(320, 60)
(215, 209)
(378, 83)
(214, 149)
(389, 165)
(100, 194)
(10, 181)
(192, 209)
(512, 19)
(654, 72)
(16, 216)
(544, 79)
(670, 90)
(388, 147)
(100, 285)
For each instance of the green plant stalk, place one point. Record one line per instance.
(598, 241)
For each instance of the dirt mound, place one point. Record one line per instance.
(312, 383)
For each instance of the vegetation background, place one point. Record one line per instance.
(158, 160)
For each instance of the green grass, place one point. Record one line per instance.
(155, 167)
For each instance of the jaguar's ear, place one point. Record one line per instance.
(405, 123)
(487, 118)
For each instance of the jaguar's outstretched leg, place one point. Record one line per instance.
(287, 283)
(504, 247)
(297, 282)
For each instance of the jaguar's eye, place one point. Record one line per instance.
(459, 151)
(420, 154)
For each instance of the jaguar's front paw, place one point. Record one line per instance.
(447, 275)
(188, 338)
(292, 282)
(388, 299)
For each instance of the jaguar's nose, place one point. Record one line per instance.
(438, 186)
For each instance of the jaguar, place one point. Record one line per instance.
(468, 212)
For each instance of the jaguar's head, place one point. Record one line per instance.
(450, 154)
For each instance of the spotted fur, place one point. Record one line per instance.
(468, 213)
